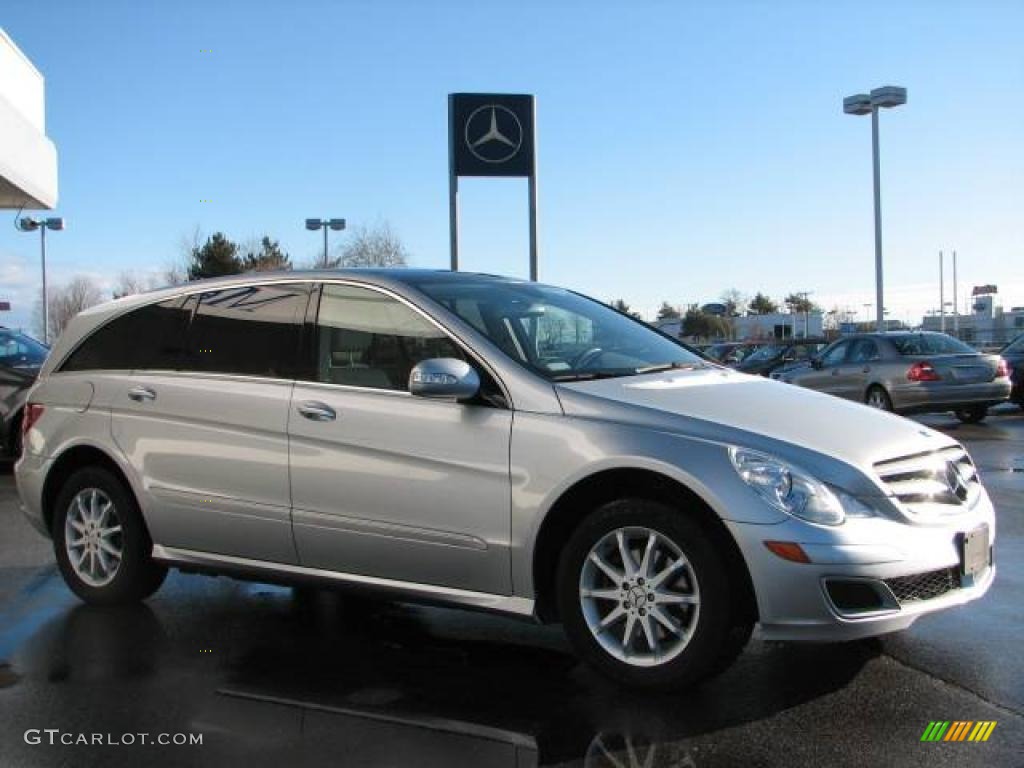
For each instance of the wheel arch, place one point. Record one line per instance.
(587, 493)
(67, 463)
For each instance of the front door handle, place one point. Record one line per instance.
(315, 411)
(141, 394)
(866, 369)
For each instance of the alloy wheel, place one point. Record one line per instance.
(639, 596)
(93, 538)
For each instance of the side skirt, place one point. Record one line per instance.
(188, 560)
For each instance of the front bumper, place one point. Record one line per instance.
(792, 598)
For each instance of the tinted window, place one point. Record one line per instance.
(251, 330)
(368, 339)
(148, 337)
(834, 355)
(930, 344)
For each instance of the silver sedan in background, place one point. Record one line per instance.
(907, 372)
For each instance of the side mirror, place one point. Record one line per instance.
(816, 362)
(444, 377)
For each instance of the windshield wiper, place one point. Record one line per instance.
(612, 373)
(679, 365)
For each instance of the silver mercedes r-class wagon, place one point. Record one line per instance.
(489, 443)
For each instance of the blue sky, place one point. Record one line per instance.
(684, 148)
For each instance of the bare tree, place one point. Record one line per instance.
(65, 302)
(130, 283)
(735, 302)
(175, 272)
(376, 246)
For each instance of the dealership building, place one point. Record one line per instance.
(986, 325)
(28, 159)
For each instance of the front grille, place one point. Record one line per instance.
(924, 586)
(941, 482)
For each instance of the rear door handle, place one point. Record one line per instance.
(141, 394)
(315, 411)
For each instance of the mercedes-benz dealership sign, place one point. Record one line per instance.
(491, 134)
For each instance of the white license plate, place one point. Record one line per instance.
(974, 556)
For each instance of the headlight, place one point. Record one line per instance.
(794, 492)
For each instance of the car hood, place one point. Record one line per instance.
(702, 402)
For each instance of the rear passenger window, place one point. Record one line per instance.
(250, 330)
(368, 339)
(151, 337)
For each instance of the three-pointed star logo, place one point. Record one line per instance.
(493, 133)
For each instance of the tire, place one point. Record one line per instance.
(82, 507)
(877, 397)
(699, 598)
(973, 415)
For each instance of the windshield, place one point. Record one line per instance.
(1017, 345)
(763, 354)
(20, 351)
(930, 344)
(557, 333)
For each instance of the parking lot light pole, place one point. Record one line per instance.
(325, 224)
(869, 104)
(30, 224)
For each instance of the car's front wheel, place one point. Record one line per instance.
(973, 415)
(645, 596)
(102, 546)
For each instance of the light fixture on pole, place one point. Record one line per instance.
(325, 224)
(31, 224)
(868, 104)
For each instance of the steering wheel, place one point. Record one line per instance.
(585, 358)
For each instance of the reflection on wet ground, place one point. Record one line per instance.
(275, 677)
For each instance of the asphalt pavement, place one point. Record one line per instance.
(271, 676)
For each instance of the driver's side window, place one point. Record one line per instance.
(369, 339)
(835, 355)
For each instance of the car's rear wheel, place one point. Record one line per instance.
(645, 596)
(973, 415)
(102, 546)
(878, 398)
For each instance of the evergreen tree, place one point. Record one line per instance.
(216, 257)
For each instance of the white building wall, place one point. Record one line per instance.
(28, 159)
(779, 325)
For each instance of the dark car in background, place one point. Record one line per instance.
(764, 360)
(21, 357)
(907, 372)
(731, 352)
(1013, 354)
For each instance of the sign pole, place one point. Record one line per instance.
(533, 226)
(453, 189)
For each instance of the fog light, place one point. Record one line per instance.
(788, 550)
